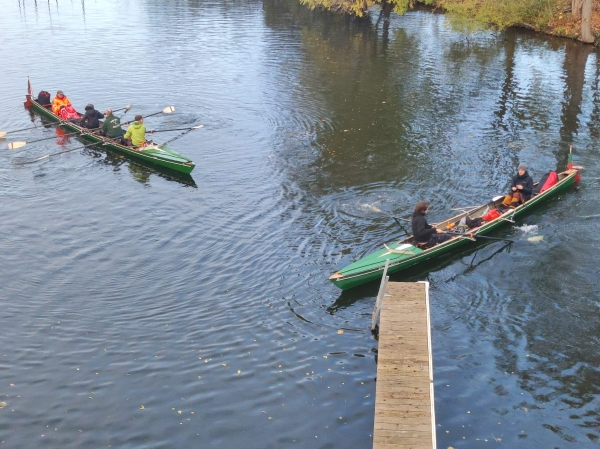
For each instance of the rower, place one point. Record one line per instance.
(425, 235)
(136, 133)
(521, 188)
(112, 125)
(91, 118)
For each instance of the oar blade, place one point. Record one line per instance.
(197, 127)
(15, 145)
(2, 133)
(128, 107)
(168, 109)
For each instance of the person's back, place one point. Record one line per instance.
(112, 125)
(91, 118)
(136, 132)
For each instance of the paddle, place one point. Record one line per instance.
(476, 236)
(176, 129)
(127, 108)
(4, 133)
(31, 161)
(166, 110)
(15, 145)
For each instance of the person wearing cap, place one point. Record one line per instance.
(425, 234)
(91, 118)
(60, 101)
(112, 125)
(136, 133)
(521, 188)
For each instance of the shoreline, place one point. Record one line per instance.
(562, 24)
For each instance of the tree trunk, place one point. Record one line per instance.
(586, 22)
(576, 8)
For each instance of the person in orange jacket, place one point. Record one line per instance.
(60, 101)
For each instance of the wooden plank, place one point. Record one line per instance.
(404, 393)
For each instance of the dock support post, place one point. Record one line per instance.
(384, 280)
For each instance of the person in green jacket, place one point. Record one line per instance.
(112, 125)
(136, 132)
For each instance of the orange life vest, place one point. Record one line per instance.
(59, 102)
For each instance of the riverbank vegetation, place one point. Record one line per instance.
(577, 19)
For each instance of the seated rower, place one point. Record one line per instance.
(111, 127)
(136, 133)
(59, 102)
(521, 188)
(424, 234)
(91, 118)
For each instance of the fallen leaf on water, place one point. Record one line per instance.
(142, 408)
(239, 371)
(179, 411)
(340, 331)
(3, 404)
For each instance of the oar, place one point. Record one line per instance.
(15, 145)
(181, 135)
(166, 110)
(31, 161)
(476, 236)
(176, 129)
(127, 108)
(4, 133)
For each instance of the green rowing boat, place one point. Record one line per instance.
(406, 253)
(153, 154)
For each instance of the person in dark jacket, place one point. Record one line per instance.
(423, 233)
(521, 188)
(91, 118)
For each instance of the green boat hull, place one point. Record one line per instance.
(162, 157)
(370, 268)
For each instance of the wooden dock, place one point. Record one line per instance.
(404, 404)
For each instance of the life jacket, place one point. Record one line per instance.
(58, 102)
(43, 98)
(68, 113)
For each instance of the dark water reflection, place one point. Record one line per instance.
(141, 310)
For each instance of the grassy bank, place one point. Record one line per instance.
(547, 16)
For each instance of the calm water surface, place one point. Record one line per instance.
(140, 311)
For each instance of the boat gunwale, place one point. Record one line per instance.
(568, 174)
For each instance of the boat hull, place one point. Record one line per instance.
(181, 167)
(370, 268)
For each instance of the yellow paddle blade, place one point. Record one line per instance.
(2, 133)
(15, 145)
(169, 109)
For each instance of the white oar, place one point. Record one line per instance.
(166, 110)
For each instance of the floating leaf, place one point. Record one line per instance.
(142, 408)
(340, 331)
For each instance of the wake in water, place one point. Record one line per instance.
(532, 231)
